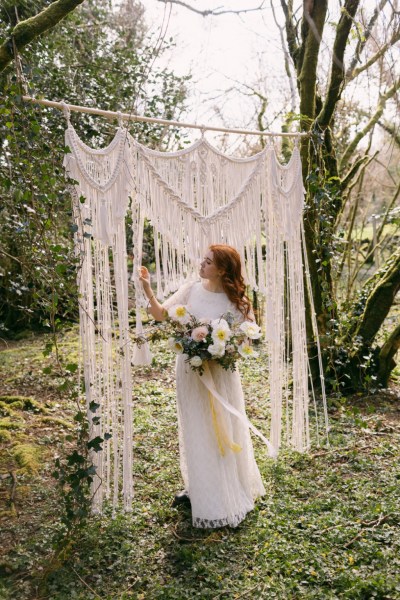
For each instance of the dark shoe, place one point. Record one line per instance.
(181, 498)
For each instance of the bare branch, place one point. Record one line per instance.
(291, 34)
(391, 130)
(337, 71)
(393, 40)
(286, 62)
(213, 12)
(354, 170)
(387, 211)
(371, 123)
(364, 38)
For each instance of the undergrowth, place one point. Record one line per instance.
(327, 528)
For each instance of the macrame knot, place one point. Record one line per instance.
(120, 119)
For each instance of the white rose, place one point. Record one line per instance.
(196, 361)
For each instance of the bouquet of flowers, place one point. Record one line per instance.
(221, 340)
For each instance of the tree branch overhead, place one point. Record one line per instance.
(26, 31)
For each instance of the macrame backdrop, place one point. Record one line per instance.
(193, 198)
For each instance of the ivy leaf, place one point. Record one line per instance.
(95, 444)
(93, 406)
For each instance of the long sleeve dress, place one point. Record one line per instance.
(222, 486)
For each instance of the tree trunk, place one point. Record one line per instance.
(306, 65)
(378, 303)
(386, 357)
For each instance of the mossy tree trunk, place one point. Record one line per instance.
(370, 312)
(386, 362)
(26, 31)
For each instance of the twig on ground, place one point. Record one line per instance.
(86, 584)
(130, 586)
(369, 525)
(341, 449)
(247, 592)
(183, 539)
(366, 524)
(332, 451)
(210, 539)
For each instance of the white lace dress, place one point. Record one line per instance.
(222, 487)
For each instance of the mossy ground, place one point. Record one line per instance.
(327, 528)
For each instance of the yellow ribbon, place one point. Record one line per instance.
(207, 379)
(220, 433)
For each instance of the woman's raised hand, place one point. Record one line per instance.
(144, 277)
(144, 273)
(155, 307)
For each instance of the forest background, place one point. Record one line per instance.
(95, 53)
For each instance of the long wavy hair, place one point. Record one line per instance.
(227, 260)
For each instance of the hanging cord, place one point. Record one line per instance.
(66, 112)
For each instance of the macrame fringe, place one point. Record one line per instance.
(192, 198)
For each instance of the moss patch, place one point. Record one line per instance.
(8, 423)
(27, 457)
(22, 403)
(5, 435)
(56, 421)
(6, 410)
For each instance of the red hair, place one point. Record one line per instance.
(227, 260)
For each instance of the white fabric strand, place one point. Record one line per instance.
(192, 198)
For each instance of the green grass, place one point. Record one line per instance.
(327, 528)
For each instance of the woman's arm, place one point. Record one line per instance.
(156, 308)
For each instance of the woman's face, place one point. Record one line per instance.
(208, 270)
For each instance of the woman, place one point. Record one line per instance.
(222, 482)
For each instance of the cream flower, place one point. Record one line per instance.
(175, 345)
(179, 313)
(199, 333)
(216, 349)
(251, 330)
(247, 351)
(196, 361)
(221, 332)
